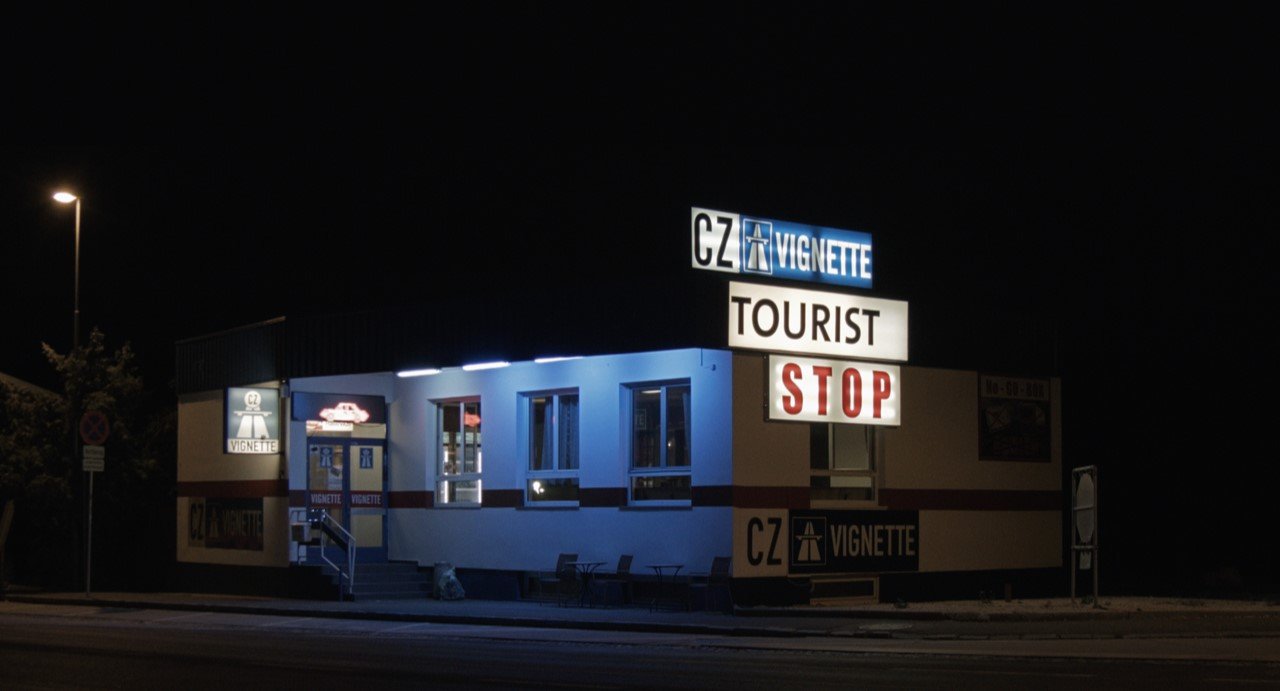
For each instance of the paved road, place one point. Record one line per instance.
(62, 647)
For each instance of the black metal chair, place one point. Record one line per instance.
(560, 582)
(619, 582)
(711, 589)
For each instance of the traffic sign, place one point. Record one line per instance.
(94, 429)
(95, 458)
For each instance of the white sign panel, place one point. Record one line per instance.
(817, 323)
(253, 421)
(817, 390)
(94, 458)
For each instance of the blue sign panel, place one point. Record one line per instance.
(748, 245)
(366, 457)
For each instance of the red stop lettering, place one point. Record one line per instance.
(851, 392)
(795, 402)
(880, 391)
(824, 373)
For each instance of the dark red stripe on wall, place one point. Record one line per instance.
(411, 500)
(972, 499)
(232, 489)
(502, 498)
(748, 497)
(596, 497)
(297, 498)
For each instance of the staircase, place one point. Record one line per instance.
(393, 580)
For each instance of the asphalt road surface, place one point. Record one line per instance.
(80, 647)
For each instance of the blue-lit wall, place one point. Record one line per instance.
(529, 538)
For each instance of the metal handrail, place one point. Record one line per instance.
(351, 556)
(350, 573)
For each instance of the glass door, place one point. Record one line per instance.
(367, 500)
(346, 481)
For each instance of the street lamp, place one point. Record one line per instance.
(67, 198)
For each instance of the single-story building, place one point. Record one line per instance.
(673, 456)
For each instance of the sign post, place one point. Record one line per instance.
(93, 432)
(1084, 542)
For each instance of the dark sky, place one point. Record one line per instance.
(1104, 175)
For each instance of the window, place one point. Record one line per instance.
(660, 449)
(842, 462)
(458, 428)
(552, 448)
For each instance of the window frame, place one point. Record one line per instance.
(526, 440)
(663, 469)
(444, 478)
(875, 441)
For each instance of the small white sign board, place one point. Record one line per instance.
(95, 458)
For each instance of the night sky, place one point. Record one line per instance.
(1083, 193)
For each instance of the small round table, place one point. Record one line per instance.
(585, 569)
(666, 580)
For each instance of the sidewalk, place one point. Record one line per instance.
(1119, 617)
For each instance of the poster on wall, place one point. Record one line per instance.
(225, 523)
(854, 541)
(1013, 419)
(252, 421)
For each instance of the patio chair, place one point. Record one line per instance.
(711, 589)
(561, 582)
(618, 582)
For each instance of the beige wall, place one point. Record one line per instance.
(765, 454)
(934, 451)
(937, 445)
(201, 443)
(201, 459)
(978, 540)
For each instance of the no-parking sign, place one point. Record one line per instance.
(94, 428)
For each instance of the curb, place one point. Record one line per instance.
(746, 631)
(979, 616)
(635, 627)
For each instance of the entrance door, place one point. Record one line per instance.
(346, 480)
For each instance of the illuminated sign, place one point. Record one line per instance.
(344, 412)
(841, 391)
(343, 409)
(816, 323)
(739, 244)
(252, 421)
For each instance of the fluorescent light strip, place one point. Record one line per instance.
(545, 360)
(485, 365)
(418, 372)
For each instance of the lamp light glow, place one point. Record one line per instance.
(545, 360)
(64, 197)
(418, 372)
(485, 365)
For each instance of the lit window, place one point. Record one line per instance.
(458, 428)
(553, 448)
(659, 442)
(842, 462)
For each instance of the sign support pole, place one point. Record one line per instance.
(88, 545)
(94, 430)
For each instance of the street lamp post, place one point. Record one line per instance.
(67, 198)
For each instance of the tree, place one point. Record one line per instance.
(133, 496)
